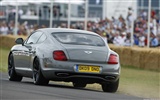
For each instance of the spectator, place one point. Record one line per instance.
(22, 30)
(123, 38)
(127, 40)
(153, 13)
(136, 39)
(158, 36)
(141, 40)
(4, 29)
(11, 27)
(20, 12)
(28, 12)
(154, 40)
(117, 39)
(130, 16)
(143, 14)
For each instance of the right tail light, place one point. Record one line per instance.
(113, 59)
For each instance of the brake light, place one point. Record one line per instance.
(59, 55)
(113, 59)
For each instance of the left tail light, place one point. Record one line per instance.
(59, 55)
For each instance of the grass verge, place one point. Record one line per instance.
(3, 59)
(138, 82)
(133, 81)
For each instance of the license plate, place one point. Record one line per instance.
(87, 68)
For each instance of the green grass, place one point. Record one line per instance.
(133, 81)
(137, 82)
(140, 82)
(3, 59)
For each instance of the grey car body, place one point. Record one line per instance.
(34, 58)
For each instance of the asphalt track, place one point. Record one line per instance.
(26, 90)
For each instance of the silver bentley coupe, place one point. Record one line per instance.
(69, 55)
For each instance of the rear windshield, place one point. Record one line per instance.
(79, 39)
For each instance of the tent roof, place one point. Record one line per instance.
(26, 2)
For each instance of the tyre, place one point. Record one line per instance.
(38, 77)
(79, 85)
(110, 87)
(11, 70)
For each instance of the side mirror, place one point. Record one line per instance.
(19, 41)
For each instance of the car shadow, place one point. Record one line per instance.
(56, 85)
(52, 84)
(70, 87)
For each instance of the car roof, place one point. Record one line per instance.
(61, 30)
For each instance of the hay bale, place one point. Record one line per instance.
(159, 61)
(135, 57)
(143, 60)
(126, 56)
(151, 60)
(118, 50)
(9, 40)
(146, 58)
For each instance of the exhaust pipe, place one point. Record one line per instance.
(62, 74)
(110, 77)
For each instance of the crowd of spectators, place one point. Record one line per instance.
(116, 31)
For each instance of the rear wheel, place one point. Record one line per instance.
(11, 70)
(110, 87)
(37, 74)
(79, 85)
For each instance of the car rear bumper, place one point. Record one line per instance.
(68, 76)
(67, 71)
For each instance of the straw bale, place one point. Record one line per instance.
(135, 57)
(9, 40)
(126, 56)
(119, 51)
(151, 60)
(143, 55)
(146, 58)
(159, 61)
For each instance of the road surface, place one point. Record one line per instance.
(26, 90)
